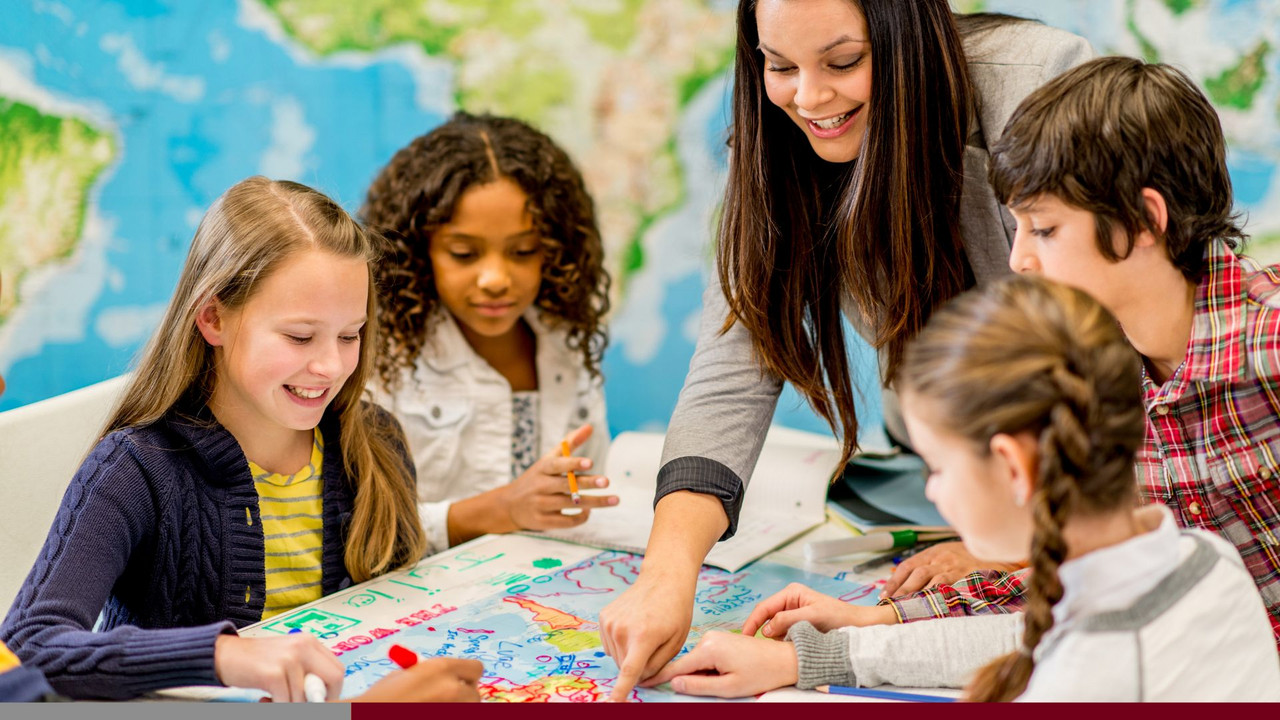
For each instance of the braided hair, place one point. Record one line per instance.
(418, 192)
(1027, 354)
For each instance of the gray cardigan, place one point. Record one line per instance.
(727, 403)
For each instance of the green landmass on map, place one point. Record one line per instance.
(1264, 247)
(618, 119)
(1238, 84)
(330, 26)
(708, 65)
(1178, 7)
(1147, 48)
(613, 26)
(47, 166)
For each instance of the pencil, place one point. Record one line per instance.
(876, 694)
(573, 479)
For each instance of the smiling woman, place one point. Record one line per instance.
(824, 86)
(856, 189)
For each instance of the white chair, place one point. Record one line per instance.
(41, 446)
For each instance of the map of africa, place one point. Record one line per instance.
(528, 609)
(121, 121)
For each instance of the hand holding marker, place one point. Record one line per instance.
(312, 686)
(871, 542)
(573, 479)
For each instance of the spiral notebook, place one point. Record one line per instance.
(786, 496)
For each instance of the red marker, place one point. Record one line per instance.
(403, 656)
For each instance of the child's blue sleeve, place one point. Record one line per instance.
(23, 684)
(107, 513)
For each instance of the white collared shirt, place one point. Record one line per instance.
(1168, 615)
(456, 411)
(1139, 622)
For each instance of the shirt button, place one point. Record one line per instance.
(1265, 473)
(559, 377)
(1162, 409)
(582, 413)
(435, 412)
(1194, 508)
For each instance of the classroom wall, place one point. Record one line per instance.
(121, 121)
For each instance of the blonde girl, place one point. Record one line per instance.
(240, 474)
(492, 331)
(1023, 399)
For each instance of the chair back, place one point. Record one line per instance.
(41, 447)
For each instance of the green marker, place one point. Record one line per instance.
(871, 542)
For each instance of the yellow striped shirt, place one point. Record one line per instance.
(291, 509)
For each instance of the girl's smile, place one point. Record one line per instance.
(283, 356)
(308, 397)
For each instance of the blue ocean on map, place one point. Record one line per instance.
(229, 83)
(196, 96)
(188, 89)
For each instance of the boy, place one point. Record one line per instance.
(1116, 175)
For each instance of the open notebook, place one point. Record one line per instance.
(785, 498)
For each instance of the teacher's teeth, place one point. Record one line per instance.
(833, 123)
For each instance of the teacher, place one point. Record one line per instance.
(857, 188)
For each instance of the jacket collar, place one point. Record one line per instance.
(192, 421)
(447, 349)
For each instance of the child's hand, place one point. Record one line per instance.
(776, 614)
(431, 680)
(277, 665)
(942, 564)
(535, 499)
(743, 666)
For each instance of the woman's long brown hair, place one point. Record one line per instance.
(798, 234)
(244, 237)
(1026, 354)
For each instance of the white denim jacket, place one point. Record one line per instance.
(456, 413)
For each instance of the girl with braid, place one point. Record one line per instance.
(492, 327)
(1024, 400)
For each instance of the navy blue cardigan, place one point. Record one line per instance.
(152, 533)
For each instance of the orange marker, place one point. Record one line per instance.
(573, 480)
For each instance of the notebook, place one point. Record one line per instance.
(785, 498)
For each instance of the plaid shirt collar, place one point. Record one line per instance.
(1216, 352)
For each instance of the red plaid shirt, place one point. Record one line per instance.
(1225, 397)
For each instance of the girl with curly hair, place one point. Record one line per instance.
(491, 331)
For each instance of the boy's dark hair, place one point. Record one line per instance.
(1095, 136)
(418, 191)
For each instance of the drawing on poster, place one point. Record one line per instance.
(527, 608)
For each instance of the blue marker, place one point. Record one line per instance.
(882, 694)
